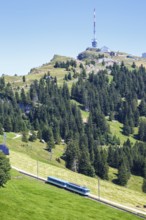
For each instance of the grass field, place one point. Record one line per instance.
(116, 129)
(29, 199)
(35, 150)
(25, 156)
(134, 183)
(108, 190)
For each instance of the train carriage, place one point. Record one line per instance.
(78, 189)
(57, 182)
(69, 186)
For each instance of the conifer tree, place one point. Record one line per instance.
(142, 130)
(4, 169)
(39, 134)
(50, 141)
(133, 65)
(85, 166)
(144, 185)
(69, 76)
(23, 79)
(100, 164)
(66, 77)
(104, 168)
(72, 155)
(83, 73)
(126, 129)
(122, 174)
(23, 96)
(8, 124)
(144, 169)
(33, 136)
(1, 129)
(97, 161)
(142, 108)
(24, 137)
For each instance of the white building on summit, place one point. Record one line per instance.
(105, 49)
(143, 55)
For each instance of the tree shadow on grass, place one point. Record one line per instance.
(135, 136)
(115, 181)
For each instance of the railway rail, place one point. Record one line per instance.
(136, 212)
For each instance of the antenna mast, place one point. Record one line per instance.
(94, 23)
(94, 41)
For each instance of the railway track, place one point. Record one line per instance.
(136, 212)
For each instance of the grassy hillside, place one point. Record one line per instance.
(26, 198)
(36, 150)
(116, 129)
(25, 156)
(38, 72)
(110, 191)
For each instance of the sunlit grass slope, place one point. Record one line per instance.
(116, 129)
(39, 72)
(108, 190)
(35, 150)
(25, 156)
(26, 198)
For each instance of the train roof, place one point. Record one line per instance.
(54, 178)
(82, 187)
(68, 183)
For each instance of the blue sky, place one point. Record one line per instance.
(32, 31)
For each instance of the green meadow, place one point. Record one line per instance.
(32, 154)
(26, 198)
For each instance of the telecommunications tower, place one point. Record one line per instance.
(94, 41)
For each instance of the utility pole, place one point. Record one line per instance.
(4, 138)
(37, 168)
(98, 188)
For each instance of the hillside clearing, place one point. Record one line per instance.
(35, 150)
(116, 129)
